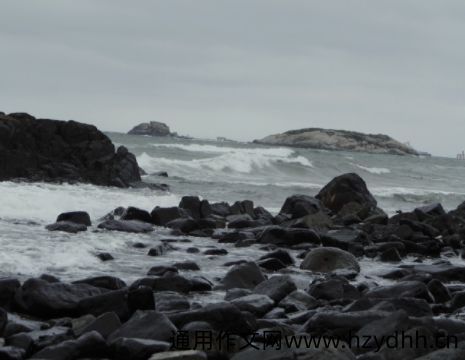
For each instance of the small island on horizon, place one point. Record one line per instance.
(308, 138)
(342, 140)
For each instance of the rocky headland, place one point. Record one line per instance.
(62, 151)
(324, 139)
(304, 285)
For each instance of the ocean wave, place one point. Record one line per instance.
(244, 160)
(42, 202)
(373, 170)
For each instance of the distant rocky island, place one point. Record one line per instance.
(155, 128)
(325, 139)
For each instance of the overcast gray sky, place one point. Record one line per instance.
(241, 68)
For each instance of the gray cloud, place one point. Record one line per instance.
(241, 69)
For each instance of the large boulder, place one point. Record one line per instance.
(131, 226)
(346, 189)
(222, 316)
(246, 275)
(77, 217)
(54, 150)
(328, 259)
(152, 128)
(297, 206)
(45, 300)
(150, 325)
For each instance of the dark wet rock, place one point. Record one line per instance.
(257, 304)
(105, 282)
(333, 289)
(440, 293)
(390, 255)
(453, 353)
(8, 287)
(298, 300)
(174, 283)
(298, 206)
(242, 221)
(458, 300)
(162, 216)
(261, 213)
(282, 255)
(276, 287)
(412, 306)
(34, 341)
(168, 301)
(299, 353)
(342, 322)
(187, 265)
(246, 275)
(3, 320)
(221, 316)
(345, 239)
(89, 344)
(327, 259)
(319, 221)
(160, 173)
(407, 350)
(443, 271)
(431, 210)
(235, 236)
(151, 325)
(415, 289)
(200, 283)
(137, 349)
(11, 353)
(271, 264)
(345, 189)
(140, 298)
(180, 355)
(161, 270)
(395, 323)
(192, 250)
(66, 226)
(49, 278)
(18, 324)
(184, 225)
(216, 251)
(235, 293)
(157, 250)
(289, 237)
(131, 226)
(104, 256)
(54, 150)
(105, 325)
(192, 205)
(77, 217)
(133, 213)
(113, 301)
(221, 209)
(45, 300)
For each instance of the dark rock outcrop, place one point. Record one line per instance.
(62, 151)
(152, 128)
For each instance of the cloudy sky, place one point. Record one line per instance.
(241, 68)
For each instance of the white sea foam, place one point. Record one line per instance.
(374, 170)
(43, 202)
(244, 160)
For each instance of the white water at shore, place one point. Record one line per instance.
(215, 171)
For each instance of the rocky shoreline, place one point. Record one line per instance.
(305, 285)
(64, 151)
